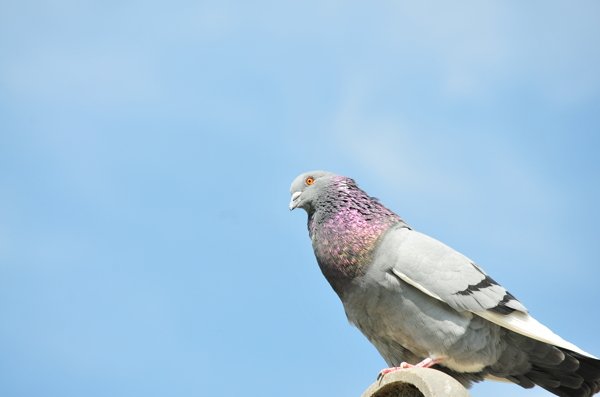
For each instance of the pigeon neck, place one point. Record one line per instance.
(344, 232)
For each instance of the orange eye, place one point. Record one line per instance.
(310, 181)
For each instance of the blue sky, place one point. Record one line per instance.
(146, 153)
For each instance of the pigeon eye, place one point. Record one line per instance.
(309, 181)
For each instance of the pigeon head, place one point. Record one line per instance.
(344, 224)
(308, 187)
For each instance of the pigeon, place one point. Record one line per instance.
(423, 304)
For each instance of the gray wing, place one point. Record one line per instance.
(445, 274)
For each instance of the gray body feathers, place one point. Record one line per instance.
(414, 297)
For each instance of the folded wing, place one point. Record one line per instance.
(445, 274)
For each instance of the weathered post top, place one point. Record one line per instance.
(416, 382)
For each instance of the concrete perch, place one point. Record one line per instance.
(416, 382)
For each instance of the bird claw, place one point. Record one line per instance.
(386, 371)
(428, 362)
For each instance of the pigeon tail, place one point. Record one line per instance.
(576, 376)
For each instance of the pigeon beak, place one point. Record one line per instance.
(295, 200)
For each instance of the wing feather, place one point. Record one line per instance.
(446, 275)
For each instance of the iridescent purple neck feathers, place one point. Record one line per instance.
(345, 227)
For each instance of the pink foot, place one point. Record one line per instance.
(428, 362)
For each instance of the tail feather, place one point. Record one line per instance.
(566, 381)
(522, 381)
(569, 364)
(529, 362)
